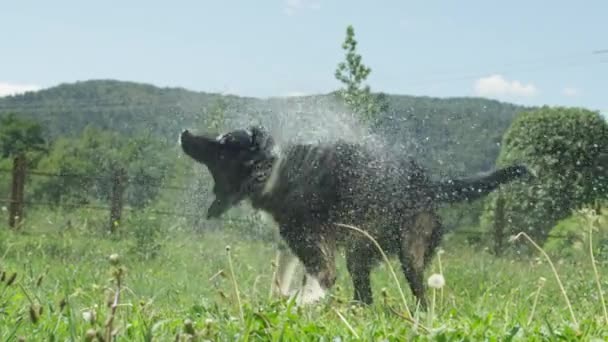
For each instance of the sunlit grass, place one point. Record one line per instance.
(65, 282)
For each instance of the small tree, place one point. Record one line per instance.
(215, 119)
(352, 73)
(19, 135)
(566, 148)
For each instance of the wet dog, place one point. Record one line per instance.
(309, 188)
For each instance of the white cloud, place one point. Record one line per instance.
(7, 89)
(497, 86)
(570, 92)
(293, 6)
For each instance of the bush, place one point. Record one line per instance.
(145, 229)
(566, 147)
(570, 237)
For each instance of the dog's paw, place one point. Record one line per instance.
(282, 292)
(312, 292)
(302, 298)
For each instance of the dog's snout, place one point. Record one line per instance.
(185, 132)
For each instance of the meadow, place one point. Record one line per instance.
(60, 275)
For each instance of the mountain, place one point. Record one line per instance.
(455, 136)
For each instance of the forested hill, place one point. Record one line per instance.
(455, 135)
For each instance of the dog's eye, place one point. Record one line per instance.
(237, 138)
(221, 138)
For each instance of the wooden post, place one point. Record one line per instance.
(499, 225)
(118, 189)
(17, 191)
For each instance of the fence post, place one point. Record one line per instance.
(499, 225)
(17, 190)
(118, 189)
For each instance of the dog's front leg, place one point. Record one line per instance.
(317, 253)
(286, 264)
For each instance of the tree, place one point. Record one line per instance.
(352, 73)
(566, 148)
(88, 163)
(19, 135)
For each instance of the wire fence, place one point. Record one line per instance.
(16, 204)
(162, 187)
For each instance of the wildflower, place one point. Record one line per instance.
(39, 280)
(114, 258)
(62, 304)
(436, 281)
(88, 316)
(90, 335)
(34, 314)
(11, 279)
(188, 326)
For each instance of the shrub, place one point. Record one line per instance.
(567, 149)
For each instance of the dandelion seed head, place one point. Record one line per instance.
(114, 259)
(436, 281)
(87, 316)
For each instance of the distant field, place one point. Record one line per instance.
(64, 281)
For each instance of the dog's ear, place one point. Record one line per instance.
(261, 140)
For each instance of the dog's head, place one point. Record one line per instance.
(230, 158)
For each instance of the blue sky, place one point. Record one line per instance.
(529, 52)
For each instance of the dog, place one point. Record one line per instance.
(309, 188)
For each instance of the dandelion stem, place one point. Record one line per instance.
(440, 272)
(432, 313)
(559, 282)
(597, 276)
(346, 323)
(234, 284)
(540, 286)
(274, 281)
(114, 306)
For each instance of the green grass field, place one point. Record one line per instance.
(65, 280)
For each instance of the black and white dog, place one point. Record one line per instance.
(308, 188)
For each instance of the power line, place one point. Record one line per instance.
(97, 178)
(237, 220)
(568, 60)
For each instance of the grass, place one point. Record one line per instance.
(65, 289)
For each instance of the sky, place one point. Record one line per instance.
(527, 52)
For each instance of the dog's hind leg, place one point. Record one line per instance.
(359, 261)
(414, 274)
(416, 241)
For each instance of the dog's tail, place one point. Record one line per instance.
(457, 190)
